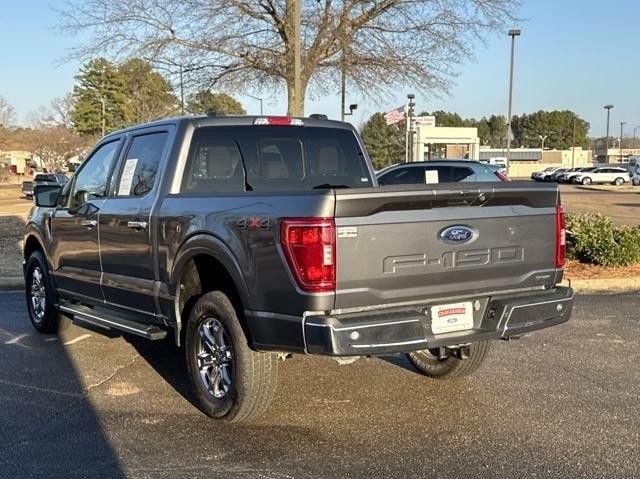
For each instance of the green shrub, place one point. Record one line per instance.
(593, 238)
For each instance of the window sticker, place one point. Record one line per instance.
(431, 177)
(127, 176)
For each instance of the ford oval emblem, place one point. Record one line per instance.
(457, 234)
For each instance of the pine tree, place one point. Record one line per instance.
(100, 103)
(385, 143)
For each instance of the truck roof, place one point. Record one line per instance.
(230, 120)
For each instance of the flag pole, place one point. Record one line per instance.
(406, 133)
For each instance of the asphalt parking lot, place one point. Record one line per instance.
(562, 402)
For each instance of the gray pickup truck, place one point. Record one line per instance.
(248, 239)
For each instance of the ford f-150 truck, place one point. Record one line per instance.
(247, 239)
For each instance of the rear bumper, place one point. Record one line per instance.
(409, 329)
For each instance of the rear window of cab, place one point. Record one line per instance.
(273, 158)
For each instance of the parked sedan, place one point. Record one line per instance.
(440, 171)
(603, 174)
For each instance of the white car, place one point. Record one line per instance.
(603, 174)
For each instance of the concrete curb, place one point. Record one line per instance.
(605, 285)
(11, 283)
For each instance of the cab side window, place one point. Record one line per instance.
(92, 179)
(141, 165)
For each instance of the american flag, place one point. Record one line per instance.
(394, 116)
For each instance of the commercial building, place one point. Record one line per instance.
(460, 142)
(616, 155)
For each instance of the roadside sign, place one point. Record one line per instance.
(424, 121)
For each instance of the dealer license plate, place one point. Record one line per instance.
(447, 318)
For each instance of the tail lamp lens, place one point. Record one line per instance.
(309, 245)
(561, 237)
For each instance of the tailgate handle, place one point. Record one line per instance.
(137, 225)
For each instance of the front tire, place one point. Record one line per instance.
(40, 295)
(428, 363)
(618, 181)
(586, 181)
(231, 382)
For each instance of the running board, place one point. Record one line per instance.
(106, 320)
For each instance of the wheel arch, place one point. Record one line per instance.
(204, 263)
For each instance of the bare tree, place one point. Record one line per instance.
(55, 145)
(61, 108)
(7, 113)
(242, 44)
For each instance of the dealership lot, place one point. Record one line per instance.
(559, 403)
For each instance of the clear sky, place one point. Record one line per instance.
(573, 54)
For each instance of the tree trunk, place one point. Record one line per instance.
(295, 102)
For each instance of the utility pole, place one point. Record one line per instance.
(622, 123)
(102, 103)
(573, 144)
(608, 108)
(513, 33)
(343, 82)
(634, 136)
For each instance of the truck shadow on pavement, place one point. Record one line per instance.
(49, 427)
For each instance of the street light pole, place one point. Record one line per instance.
(622, 123)
(257, 99)
(542, 138)
(410, 97)
(608, 108)
(634, 136)
(513, 33)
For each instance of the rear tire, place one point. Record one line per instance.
(618, 181)
(431, 366)
(231, 382)
(40, 295)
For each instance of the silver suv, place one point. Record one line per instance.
(442, 171)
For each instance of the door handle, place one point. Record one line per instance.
(137, 225)
(89, 223)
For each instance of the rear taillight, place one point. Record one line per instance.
(561, 237)
(278, 121)
(502, 176)
(309, 245)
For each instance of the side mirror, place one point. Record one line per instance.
(47, 195)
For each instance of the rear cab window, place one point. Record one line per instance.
(225, 159)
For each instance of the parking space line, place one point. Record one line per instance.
(51, 339)
(39, 389)
(16, 339)
(77, 340)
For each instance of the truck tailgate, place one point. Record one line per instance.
(393, 245)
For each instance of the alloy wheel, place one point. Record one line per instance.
(38, 294)
(215, 358)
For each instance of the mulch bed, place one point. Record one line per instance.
(577, 270)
